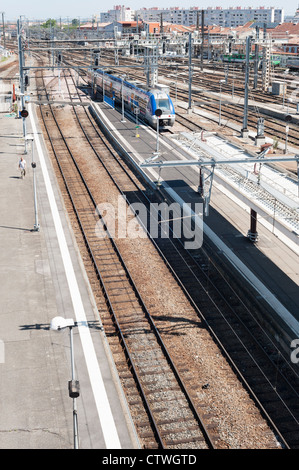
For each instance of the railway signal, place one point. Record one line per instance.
(24, 113)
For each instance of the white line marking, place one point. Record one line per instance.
(98, 386)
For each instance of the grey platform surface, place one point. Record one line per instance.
(35, 367)
(272, 265)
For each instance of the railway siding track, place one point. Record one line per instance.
(157, 378)
(228, 332)
(273, 126)
(190, 279)
(211, 418)
(231, 113)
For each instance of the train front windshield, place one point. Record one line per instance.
(164, 105)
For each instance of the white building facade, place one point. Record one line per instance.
(230, 17)
(119, 13)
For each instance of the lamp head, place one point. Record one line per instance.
(59, 323)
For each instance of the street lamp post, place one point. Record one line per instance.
(21, 78)
(58, 324)
(33, 165)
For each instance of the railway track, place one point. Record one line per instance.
(193, 431)
(234, 82)
(202, 272)
(233, 112)
(209, 78)
(162, 390)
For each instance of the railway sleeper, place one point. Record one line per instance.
(123, 301)
(179, 430)
(131, 315)
(162, 422)
(143, 423)
(159, 408)
(175, 442)
(100, 251)
(129, 321)
(154, 386)
(113, 281)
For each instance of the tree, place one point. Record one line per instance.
(49, 23)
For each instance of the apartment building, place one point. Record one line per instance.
(119, 13)
(237, 16)
(230, 17)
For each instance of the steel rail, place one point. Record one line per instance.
(192, 407)
(238, 372)
(179, 379)
(152, 240)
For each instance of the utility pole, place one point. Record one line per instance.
(244, 131)
(190, 75)
(3, 30)
(202, 37)
(161, 25)
(252, 232)
(22, 81)
(151, 65)
(256, 57)
(196, 48)
(266, 60)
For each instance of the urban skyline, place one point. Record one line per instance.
(55, 9)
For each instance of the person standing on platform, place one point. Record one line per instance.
(22, 167)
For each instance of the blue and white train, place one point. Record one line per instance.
(136, 96)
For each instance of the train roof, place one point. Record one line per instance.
(136, 83)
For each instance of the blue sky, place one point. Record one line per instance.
(34, 9)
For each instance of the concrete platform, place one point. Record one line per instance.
(41, 277)
(269, 266)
